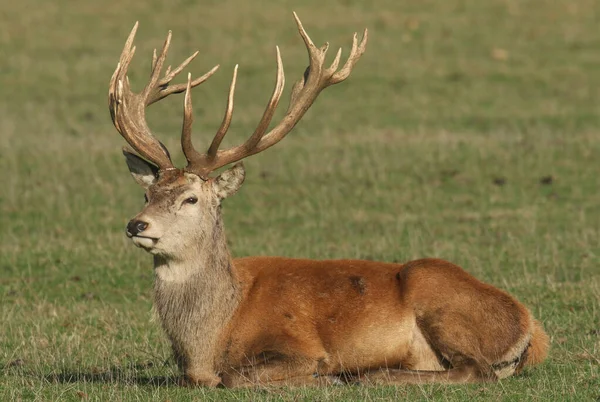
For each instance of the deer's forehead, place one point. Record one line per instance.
(173, 187)
(167, 192)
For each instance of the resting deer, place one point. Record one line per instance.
(272, 320)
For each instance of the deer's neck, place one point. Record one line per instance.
(197, 293)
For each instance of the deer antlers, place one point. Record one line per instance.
(128, 108)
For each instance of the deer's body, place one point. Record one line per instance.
(349, 315)
(259, 320)
(271, 320)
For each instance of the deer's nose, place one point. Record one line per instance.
(135, 227)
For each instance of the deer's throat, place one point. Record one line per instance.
(196, 296)
(204, 255)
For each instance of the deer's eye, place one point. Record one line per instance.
(190, 200)
(146, 198)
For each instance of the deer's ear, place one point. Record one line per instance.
(228, 182)
(144, 173)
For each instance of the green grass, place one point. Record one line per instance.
(436, 146)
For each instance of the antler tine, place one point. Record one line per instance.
(129, 49)
(194, 157)
(169, 75)
(157, 68)
(216, 142)
(122, 65)
(157, 89)
(307, 41)
(188, 120)
(263, 125)
(316, 78)
(355, 54)
(154, 58)
(167, 89)
(336, 61)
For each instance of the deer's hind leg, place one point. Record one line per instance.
(424, 364)
(470, 373)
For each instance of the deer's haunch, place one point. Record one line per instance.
(271, 320)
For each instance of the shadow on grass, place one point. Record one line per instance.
(113, 376)
(130, 375)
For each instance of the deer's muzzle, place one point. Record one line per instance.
(135, 227)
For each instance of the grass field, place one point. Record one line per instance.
(470, 131)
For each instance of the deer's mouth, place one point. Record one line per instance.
(147, 243)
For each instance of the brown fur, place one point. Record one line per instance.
(280, 321)
(311, 311)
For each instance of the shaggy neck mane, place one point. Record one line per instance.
(197, 292)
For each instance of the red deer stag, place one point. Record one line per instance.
(271, 320)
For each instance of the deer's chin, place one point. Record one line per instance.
(147, 243)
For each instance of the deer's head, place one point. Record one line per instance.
(182, 205)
